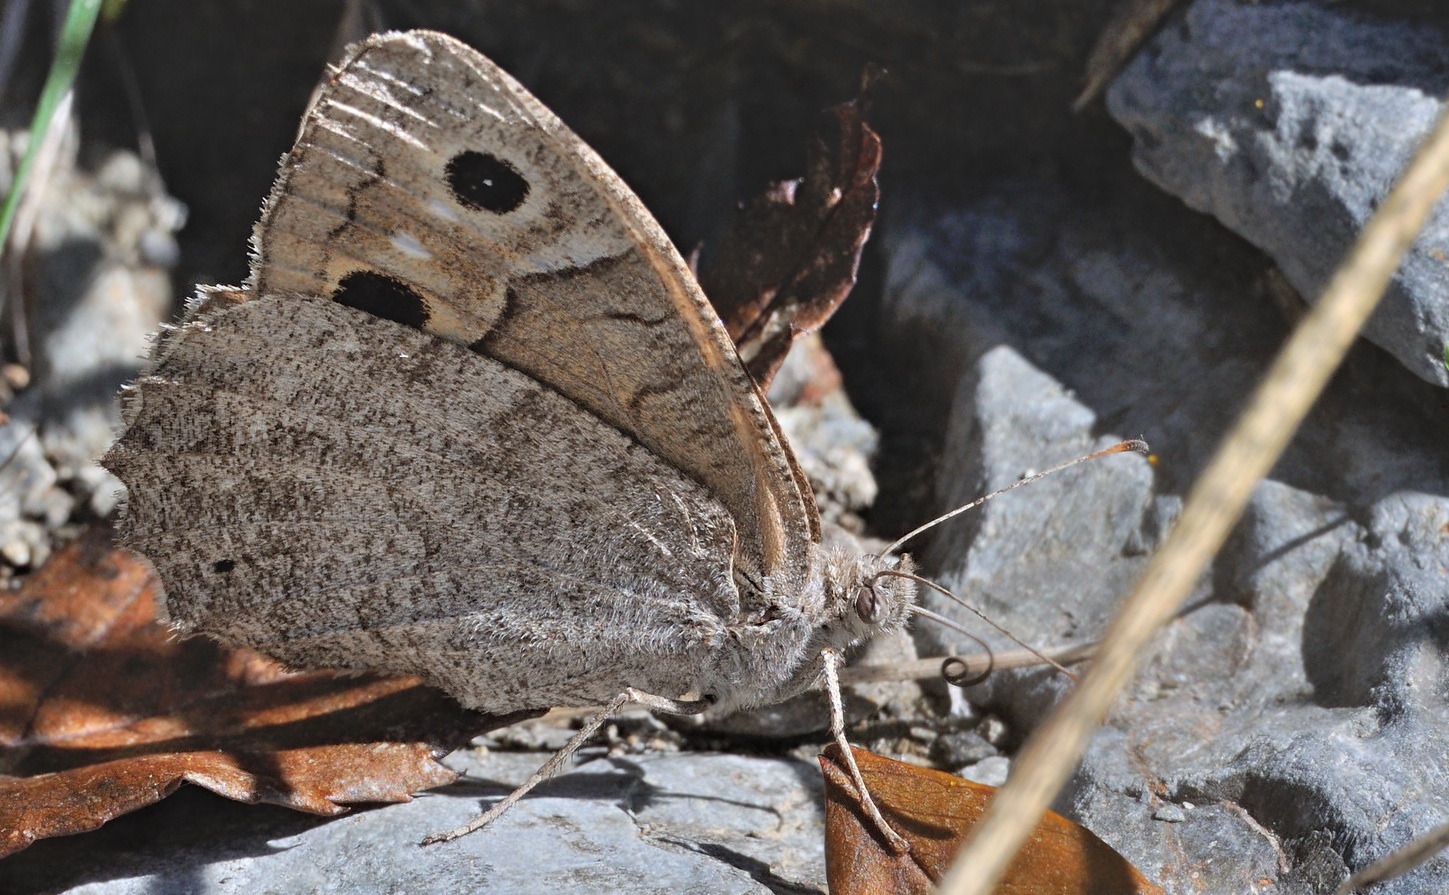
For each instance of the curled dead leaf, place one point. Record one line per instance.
(103, 711)
(935, 811)
(792, 252)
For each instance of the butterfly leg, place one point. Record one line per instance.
(831, 660)
(551, 767)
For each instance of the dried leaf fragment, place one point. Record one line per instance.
(792, 252)
(935, 811)
(103, 711)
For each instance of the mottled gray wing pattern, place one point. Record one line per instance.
(387, 499)
(429, 187)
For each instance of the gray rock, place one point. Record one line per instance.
(1289, 122)
(29, 487)
(990, 771)
(1009, 420)
(1286, 708)
(953, 749)
(654, 823)
(97, 294)
(1301, 686)
(833, 445)
(1173, 814)
(104, 300)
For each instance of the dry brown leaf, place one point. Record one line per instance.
(935, 811)
(791, 255)
(103, 711)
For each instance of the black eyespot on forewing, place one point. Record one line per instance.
(486, 182)
(382, 296)
(222, 566)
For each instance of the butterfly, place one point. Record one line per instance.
(472, 418)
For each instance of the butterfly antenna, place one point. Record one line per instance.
(1136, 445)
(926, 613)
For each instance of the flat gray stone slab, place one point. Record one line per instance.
(665, 823)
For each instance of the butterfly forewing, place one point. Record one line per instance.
(428, 187)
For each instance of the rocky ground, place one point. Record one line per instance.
(1040, 283)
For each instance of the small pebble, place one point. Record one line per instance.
(923, 734)
(16, 553)
(993, 730)
(988, 771)
(960, 748)
(1170, 813)
(15, 376)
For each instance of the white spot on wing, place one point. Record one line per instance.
(442, 210)
(408, 244)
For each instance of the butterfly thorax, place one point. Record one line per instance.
(846, 601)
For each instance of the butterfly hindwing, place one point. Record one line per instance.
(318, 506)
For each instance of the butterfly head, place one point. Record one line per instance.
(865, 596)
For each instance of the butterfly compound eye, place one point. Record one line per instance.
(867, 603)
